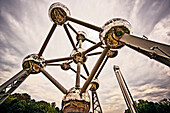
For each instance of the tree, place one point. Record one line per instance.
(22, 103)
(150, 107)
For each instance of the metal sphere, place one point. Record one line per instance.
(112, 32)
(65, 66)
(73, 101)
(81, 36)
(33, 62)
(94, 85)
(58, 13)
(78, 56)
(112, 53)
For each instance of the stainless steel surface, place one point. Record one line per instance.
(78, 75)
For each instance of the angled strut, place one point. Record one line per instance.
(86, 70)
(56, 83)
(93, 47)
(96, 28)
(101, 67)
(47, 40)
(70, 38)
(58, 59)
(94, 70)
(12, 84)
(72, 28)
(80, 74)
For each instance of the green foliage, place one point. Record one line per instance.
(150, 107)
(22, 103)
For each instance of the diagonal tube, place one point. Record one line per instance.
(16, 85)
(90, 41)
(47, 40)
(96, 53)
(72, 28)
(80, 74)
(53, 64)
(146, 47)
(94, 70)
(96, 28)
(86, 70)
(123, 92)
(56, 83)
(70, 38)
(14, 78)
(58, 60)
(92, 48)
(134, 105)
(102, 67)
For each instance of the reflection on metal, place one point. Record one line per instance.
(78, 56)
(65, 66)
(112, 32)
(81, 36)
(95, 85)
(73, 102)
(32, 62)
(112, 54)
(58, 13)
(113, 35)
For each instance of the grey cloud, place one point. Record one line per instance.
(168, 34)
(149, 13)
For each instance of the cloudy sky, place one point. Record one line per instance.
(24, 25)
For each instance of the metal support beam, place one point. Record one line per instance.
(127, 100)
(47, 40)
(92, 48)
(56, 83)
(125, 91)
(94, 70)
(14, 78)
(78, 75)
(147, 47)
(134, 105)
(96, 28)
(13, 85)
(95, 103)
(96, 53)
(90, 41)
(101, 67)
(72, 28)
(58, 60)
(70, 38)
(86, 70)
(54, 64)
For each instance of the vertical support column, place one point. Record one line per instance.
(78, 75)
(95, 103)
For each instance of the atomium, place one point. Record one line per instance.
(115, 34)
